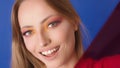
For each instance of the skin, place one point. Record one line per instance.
(44, 29)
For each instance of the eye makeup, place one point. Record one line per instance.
(27, 32)
(53, 22)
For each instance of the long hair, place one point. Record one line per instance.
(21, 57)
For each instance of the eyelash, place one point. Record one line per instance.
(27, 33)
(54, 24)
(50, 25)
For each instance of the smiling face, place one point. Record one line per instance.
(47, 35)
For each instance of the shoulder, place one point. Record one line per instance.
(106, 62)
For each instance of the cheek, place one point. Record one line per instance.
(29, 43)
(63, 35)
(66, 36)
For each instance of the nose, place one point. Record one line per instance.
(43, 39)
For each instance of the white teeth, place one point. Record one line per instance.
(49, 52)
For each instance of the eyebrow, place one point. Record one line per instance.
(40, 22)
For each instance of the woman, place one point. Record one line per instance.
(46, 34)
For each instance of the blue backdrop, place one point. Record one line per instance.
(93, 13)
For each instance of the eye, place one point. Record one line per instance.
(54, 24)
(27, 33)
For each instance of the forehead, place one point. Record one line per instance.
(31, 10)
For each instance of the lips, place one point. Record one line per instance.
(50, 52)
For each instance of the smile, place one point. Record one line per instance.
(50, 52)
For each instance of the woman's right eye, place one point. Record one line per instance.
(27, 33)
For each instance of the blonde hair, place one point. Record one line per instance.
(21, 57)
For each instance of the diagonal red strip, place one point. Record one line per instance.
(107, 42)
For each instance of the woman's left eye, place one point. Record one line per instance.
(53, 24)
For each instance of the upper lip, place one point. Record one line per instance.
(48, 49)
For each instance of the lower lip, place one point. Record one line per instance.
(52, 56)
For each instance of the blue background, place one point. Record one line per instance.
(94, 13)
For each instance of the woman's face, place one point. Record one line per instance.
(47, 35)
